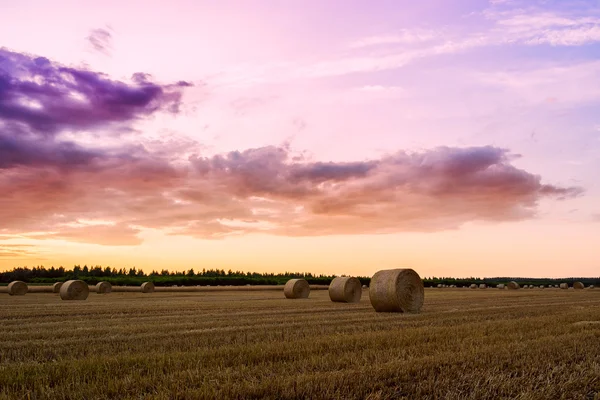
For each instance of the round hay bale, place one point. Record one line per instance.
(345, 289)
(512, 285)
(147, 287)
(439, 285)
(591, 287)
(578, 285)
(364, 286)
(17, 288)
(103, 287)
(500, 286)
(473, 286)
(296, 289)
(74, 290)
(56, 287)
(564, 285)
(482, 286)
(397, 290)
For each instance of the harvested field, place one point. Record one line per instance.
(465, 344)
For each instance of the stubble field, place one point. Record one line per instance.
(478, 344)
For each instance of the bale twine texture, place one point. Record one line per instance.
(56, 287)
(564, 285)
(147, 287)
(103, 287)
(397, 290)
(345, 289)
(296, 289)
(74, 290)
(17, 288)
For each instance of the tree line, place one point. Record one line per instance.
(219, 277)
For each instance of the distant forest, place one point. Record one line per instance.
(219, 277)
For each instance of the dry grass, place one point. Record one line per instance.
(465, 344)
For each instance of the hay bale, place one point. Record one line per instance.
(296, 289)
(473, 286)
(17, 288)
(345, 289)
(512, 285)
(564, 285)
(500, 286)
(56, 287)
(364, 286)
(147, 287)
(74, 290)
(439, 285)
(591, 287)
(578, 285)
(103, 287)
(397, 290)
(482, 286)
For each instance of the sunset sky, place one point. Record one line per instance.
(459, 138)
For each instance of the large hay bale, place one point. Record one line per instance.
(17, 288)
(500, 286)
(74, 290)
(525, 286)
(345, 289)
(591, 287)
(578, 285)
(103, 287)
(147, 287)
(296, 289)
(473, 286)
(564, 285)
(512, 285)
(397, 290)
(483, 286)
(56, 287)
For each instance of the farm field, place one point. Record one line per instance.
(478, 344)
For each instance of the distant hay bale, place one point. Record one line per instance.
(541, 286)
(473, 286)
(147, 287)
(397, 290)
(500, 286)
(345, 289)
(564, 285)
(591, 287)
(578, 285)
(74, 290)
(103, 288)
(439, 285)
(512, 285)
(482, 286)
(364, 286)
(56, 287)
(296, 289)
(17, 288)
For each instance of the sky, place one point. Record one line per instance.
(457, 138)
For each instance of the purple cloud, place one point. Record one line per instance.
(48, 98)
